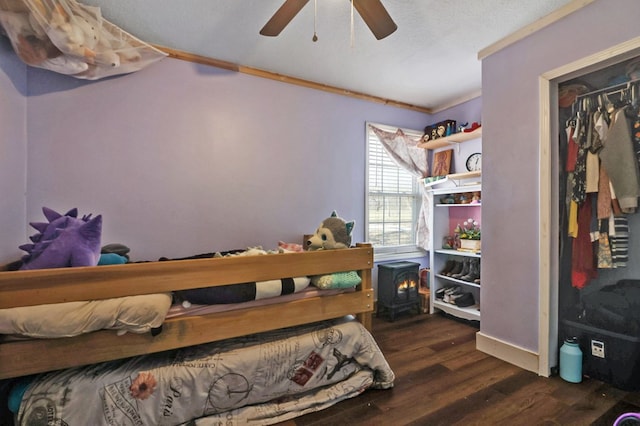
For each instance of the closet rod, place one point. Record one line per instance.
(615, 86)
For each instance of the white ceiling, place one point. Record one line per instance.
(430, 61)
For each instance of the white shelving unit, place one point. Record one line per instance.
(440, 228)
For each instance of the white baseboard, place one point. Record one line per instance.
(508, 352)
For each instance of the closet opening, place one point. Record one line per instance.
(599, 184)
(608, 83)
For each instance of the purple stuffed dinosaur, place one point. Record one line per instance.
(64, 241)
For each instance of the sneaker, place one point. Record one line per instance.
(464, 300)
(452, 295)
(443, 291)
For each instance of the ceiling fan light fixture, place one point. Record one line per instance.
(315, 21)
(373, 13)
(376, 17)
(282, 17)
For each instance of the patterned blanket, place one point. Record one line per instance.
(258, 379)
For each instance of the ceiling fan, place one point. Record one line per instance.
(372, 12)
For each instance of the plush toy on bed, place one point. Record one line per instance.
(65, 240)
(333, 233)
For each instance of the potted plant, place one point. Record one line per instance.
(469, 234)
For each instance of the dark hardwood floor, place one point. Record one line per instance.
(441, 379)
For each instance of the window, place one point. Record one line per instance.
(393, 200)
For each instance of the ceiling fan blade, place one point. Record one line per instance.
(282, 17)
(376, 17)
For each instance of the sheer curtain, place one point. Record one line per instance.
(405, 152)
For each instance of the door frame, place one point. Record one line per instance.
(548, 187)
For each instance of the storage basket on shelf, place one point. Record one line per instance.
(471, 245)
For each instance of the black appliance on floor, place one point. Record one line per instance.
(398, 285)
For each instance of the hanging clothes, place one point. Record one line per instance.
(580, 168)
(602, 166)
(569, 166)
(573, 219)
(618, 158)
(635, 130)
(594, 143)
(583, 265)
(604, 195)
(594, 230)
(601, 127)
(605, 258)
(572, 148)
(620, 241)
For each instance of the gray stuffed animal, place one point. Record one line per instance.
(333, 233)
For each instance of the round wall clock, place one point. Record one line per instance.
(474, 162)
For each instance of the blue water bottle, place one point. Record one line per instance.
(571, 361)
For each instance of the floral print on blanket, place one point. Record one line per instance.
(143, 386)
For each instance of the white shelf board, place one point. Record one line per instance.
(470, 313)
(451, 139)
(458, 253)
(457, 281)
(459, 205)
(458, 180)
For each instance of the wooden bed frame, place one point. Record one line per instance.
(28, 288)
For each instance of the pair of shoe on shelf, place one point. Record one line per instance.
(455, 296)
(467, 269)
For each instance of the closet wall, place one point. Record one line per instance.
(587, 266)
(519, 234)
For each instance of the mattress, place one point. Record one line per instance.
(137, 314)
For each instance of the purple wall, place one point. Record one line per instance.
(182, 158)
(466, 112)
(511, 193)
(13, 142)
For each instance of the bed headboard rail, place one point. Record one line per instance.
(24, 288)
(37, 287)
